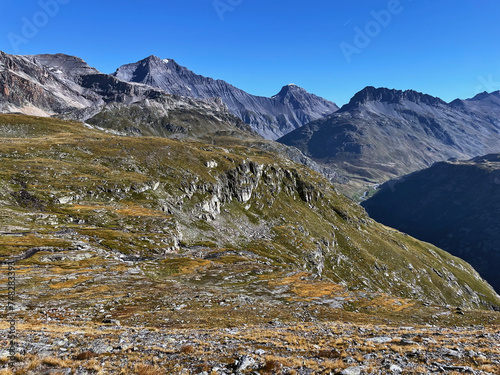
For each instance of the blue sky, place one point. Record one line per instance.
(332, 48)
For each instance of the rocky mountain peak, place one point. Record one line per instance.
(156, 62)
(147, 70)
(290, 89)
(66, 64)
(382, 94)
(486, 95)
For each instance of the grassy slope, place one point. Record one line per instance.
(136, 196)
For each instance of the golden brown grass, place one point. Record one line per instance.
(56, 362)
(147, 369)
(272, 366)
(187, 349)
(85, 356)
(70, 283)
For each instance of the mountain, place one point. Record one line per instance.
(66, 86)
(382, 133)
(483, 104)
(176, 204)
(55, 84)
(454, 205)
(271, 117)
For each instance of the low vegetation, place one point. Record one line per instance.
(151, 255)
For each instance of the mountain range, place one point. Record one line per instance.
(454, 205)
(271, 117)
(382, 133)
(66, 85)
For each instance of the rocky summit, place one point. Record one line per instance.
(382, 134)
(271, 117)
(454, 205)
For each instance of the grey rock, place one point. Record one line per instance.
(355, 370)
(395, 369)
(380, 339)
(101, 347)
(244, 362)
(260, 352)
(452, 353)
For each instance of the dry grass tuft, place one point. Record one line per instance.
(56, 362)
(271, 366)
(329, 354)
(85, 356)
(187, 349)
(146, 369)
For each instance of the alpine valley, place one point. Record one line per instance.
(157, 228)
(382, 134)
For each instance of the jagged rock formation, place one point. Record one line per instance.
(382, 134)
(271, 117)
(454, 205)
(55, 84)
(150, 198)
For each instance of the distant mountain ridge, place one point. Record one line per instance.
(383, 133)
(372, 94)
(66, 86)
(271, 117)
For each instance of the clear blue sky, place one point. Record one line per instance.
(446, 48)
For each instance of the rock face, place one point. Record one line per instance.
(271, 117)
(55, 84)
(382, 134)
(28, 87)
(454, 205)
